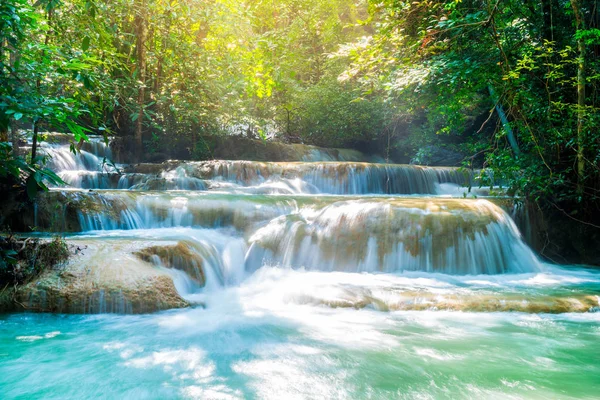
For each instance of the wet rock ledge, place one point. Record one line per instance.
(100, 276)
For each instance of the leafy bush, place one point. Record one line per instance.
(16, 172)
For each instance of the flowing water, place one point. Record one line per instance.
(337, 280)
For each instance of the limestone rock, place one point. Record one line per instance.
(104, 277)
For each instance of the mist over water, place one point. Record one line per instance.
(310, 280)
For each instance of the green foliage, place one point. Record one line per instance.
(224, 66)
(445, 55)
(330, 114)
(43, 78)
(43, 81)
(15, 172)
(201, 150)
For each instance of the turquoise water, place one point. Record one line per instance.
(274, 337)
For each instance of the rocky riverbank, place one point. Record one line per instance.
(98, 277)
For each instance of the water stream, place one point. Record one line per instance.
(337, 280)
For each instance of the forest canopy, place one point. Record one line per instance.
(511, 86)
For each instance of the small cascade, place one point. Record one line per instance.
(90, 179)
(341, 178)
(350, 178)
(91, 157)
(87, 168)
(339, 174)
(139, 210)
(324, 233)
(452, 237)
(211, 262)
(176, 179)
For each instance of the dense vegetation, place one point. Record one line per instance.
(509, 85)
(185, 69)
(535, 64)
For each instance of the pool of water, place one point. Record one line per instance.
(284, 334)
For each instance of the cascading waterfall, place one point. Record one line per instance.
(86, 168)
(453, 237)
(319, 216)
(92, 168)
(259, 201)
(331, 233)
(343, 178)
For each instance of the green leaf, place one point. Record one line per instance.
(85, 43)
(32, 187)
(18, 115)
(77, 130)
(37, 176)
(51, 177)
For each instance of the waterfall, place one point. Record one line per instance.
(333, 177)
(91, 169)
(325, 233)
(457, 237)
(214, 223)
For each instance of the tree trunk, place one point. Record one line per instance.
(547, 13)
(580, 25)
(4, 120)
(38, 87)
(4, 123)
(14, 58)
(159, 67)
(36, 128)
(140, 31)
